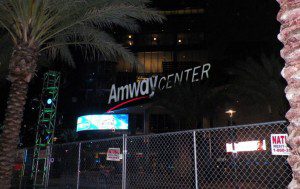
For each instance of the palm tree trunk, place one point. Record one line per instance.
(10, 136)
(21, 69)
(289, 17)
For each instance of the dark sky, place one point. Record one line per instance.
(242, 27)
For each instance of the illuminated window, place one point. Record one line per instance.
(123, 66)
(190, 38)
(151, 62)
(191, 56)
(154, 39)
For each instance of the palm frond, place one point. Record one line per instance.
(75, 22)
(122, 15)
(92, 41)
(6, 50)
(62, 51)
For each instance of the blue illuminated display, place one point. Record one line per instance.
(49, 101)
(102, 122)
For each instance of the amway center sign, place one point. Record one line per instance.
(149, 85)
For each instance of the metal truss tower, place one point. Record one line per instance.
(45, 129)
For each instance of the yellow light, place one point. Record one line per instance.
(130, 43)
(230, 112)
(179, 40)
(129, 36)
(154, 38)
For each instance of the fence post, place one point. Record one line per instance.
(195, 159)
(124, 168)
(48, 164)
(23, 168)
(78, 165)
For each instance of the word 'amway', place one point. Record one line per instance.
(148, 86)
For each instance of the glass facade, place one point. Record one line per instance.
(150, 62)
(166, 39)
(154, 62)
(191, 56)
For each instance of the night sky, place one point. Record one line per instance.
(243, 28)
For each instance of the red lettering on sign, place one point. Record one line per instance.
(278, 139)
(282, 139)
(112, 151)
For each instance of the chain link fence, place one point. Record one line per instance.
(201, 159)
(254, 169)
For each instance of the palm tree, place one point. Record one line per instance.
(50, 26)
(289, 35)
(260, 81)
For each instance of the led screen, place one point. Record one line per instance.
(102, 122)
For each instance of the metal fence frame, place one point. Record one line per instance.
(185, 139)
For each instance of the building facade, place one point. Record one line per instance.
(177, 44)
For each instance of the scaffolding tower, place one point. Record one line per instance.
(45, 129)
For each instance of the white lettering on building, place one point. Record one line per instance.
(149, 85)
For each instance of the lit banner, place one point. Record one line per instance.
(246, 146)
(102, 122)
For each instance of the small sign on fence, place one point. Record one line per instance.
(278, 145)
(113, 154)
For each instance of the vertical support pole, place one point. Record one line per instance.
(36, 169)
(210, 150)
(234, 156)
(124, 168)
(23, 168)
(195, 159)
(48, 165)
(78, 166)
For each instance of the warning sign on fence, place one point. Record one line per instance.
(113, 154)
(278, 144)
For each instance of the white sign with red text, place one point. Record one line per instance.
(278, 145)
(113, 154)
